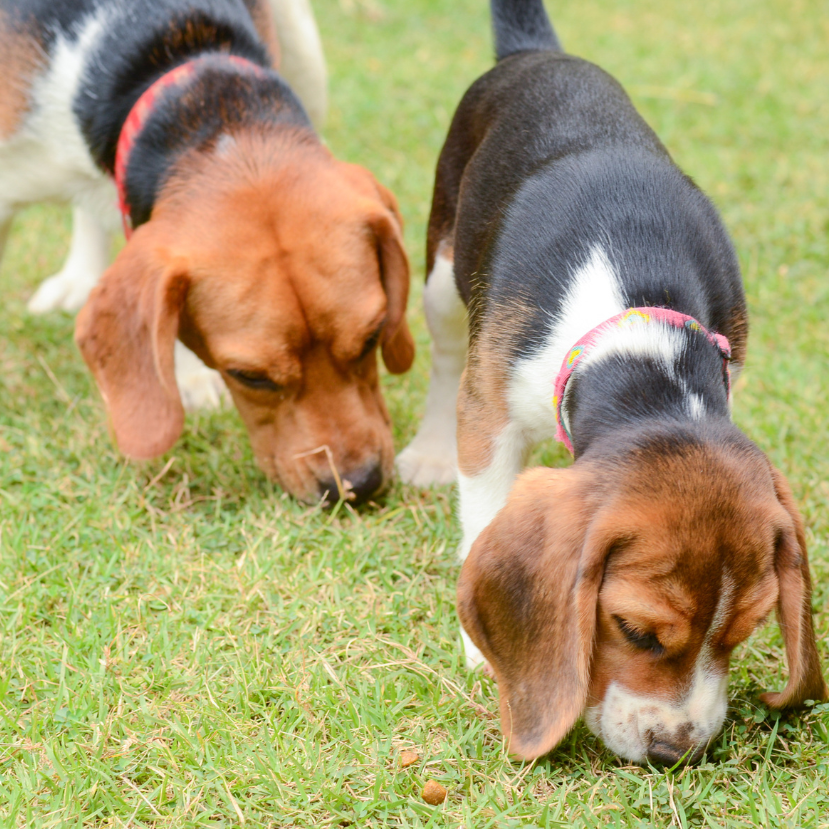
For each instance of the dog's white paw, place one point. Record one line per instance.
(203, 389)
(427, 463)
(200, 387)
(474, 658)
(65, 291)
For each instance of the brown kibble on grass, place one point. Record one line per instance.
(408, 758)
(433, 793)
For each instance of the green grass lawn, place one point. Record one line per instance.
(183, 645)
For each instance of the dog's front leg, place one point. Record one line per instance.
(88, 258)
(431, 457)
(492, 451)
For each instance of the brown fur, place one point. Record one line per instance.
(269, 257)
(483, 407)
(20, 59)
(533, 615)
(482, 403)
(575, 547)
(737, 334)
(794, 610)
(479, 424)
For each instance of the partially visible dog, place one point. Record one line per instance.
(605, 306)
(282, 268)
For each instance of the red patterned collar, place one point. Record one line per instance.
(633, 316)
(142, 110)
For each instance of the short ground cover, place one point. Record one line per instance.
(184, 646)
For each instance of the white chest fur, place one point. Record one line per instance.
(47, 158)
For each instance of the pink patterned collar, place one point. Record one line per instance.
(633, 316)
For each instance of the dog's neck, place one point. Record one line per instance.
(667, 376)
(128, 59)
(219, 97)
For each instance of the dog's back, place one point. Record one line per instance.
(552, 142)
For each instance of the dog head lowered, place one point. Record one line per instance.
(284, 269)
(619, 589)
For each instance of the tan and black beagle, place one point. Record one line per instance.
(582, 287)
(281, 267)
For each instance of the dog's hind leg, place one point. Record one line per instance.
(431, 457)
(87, 260)
(483, 490)
(303, 61)
(493, 446)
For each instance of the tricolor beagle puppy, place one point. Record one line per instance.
(604, 306)
(279, 266)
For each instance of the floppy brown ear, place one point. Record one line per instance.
(398, 345)
(527, 597)
(794, 610)
(126, 333)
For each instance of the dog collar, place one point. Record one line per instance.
(633, 316)
(141, 111)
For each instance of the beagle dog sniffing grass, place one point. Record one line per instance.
(280, 267)
(605, 306)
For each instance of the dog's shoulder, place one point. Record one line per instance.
(518, 126)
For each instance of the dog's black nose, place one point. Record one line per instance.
(665, 754)
(360, 484)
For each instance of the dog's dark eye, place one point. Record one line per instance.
(643, 641)
(253, 380)
(371, 343)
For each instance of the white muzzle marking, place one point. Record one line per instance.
(630, 724)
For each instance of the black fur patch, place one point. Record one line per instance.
(138, 47)
(140, 41)
(47, 19)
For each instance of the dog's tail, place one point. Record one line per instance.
(522, 26)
